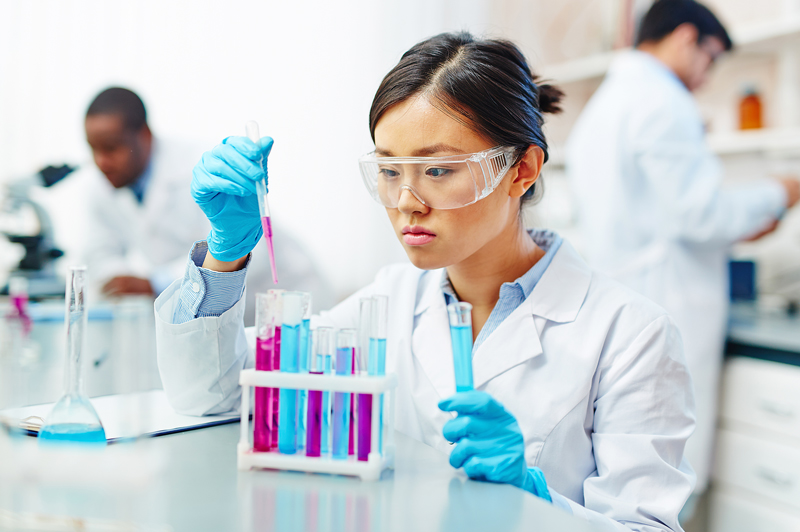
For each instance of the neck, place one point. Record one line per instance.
(507, 257)
(664, 54)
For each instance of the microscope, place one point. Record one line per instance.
(24, 222)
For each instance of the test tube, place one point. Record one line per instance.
(377, 349)
(364, 411)
(345, 344)
(460, 314)
(251, 128)
(327, 349)
(320, 337)
(294, 305)
(265, 419)
(305, 352)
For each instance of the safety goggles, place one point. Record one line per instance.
(438, 182)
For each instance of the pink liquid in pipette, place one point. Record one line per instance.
(266, 224)
(266, 399)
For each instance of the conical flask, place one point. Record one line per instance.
(73, 418)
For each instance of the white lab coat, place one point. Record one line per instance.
(120, 236)
(593, 372)
(653, 214)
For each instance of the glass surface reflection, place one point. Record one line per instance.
(284, 502)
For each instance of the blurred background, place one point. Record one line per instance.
(306, 71)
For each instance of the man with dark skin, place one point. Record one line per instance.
(121, 146)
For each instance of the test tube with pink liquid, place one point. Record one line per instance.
(269, 315)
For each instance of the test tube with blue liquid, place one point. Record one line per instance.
(377, 349)
(305, 356)
(364, 410)
(345, 344)
(460, 314)
(320, 338)
(294, 304)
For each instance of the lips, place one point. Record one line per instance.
(416, 235)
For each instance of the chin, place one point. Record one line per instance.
(425, 260)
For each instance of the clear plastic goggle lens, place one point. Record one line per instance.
(438, 182)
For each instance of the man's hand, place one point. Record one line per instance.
(792, 187)
(126, 285)
(764, 232)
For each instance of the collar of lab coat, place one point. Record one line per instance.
(634, 62)
(557, 297)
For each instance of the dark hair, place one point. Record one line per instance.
(665, 15)
(484, 83)
(116, 100)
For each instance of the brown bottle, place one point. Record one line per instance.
(750, 110)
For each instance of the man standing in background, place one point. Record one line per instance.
(652, 211)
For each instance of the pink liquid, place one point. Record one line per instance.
(266, 224)
(20, 304)
(264, 416)
(351, 449)
(314, 421)
(364, 425)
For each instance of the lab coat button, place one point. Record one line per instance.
(195, 287)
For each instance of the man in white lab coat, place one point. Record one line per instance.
(141, 218)
(652, 211)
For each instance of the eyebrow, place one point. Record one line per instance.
(423, 152)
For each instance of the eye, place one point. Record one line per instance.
(437, 172)
(388, 173)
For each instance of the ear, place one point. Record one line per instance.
(528, 170)
(686, 33)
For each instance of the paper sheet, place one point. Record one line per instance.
(151, 411)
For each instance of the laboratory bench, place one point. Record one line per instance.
(199, 488)
(756, 475)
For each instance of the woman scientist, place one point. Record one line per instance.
(580, 381)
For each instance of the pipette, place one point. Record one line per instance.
(263, 205)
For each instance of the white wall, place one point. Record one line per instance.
(306, 71)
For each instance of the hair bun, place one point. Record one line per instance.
(550, 98)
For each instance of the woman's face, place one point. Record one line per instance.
(440, 238)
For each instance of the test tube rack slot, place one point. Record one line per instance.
(376, 462)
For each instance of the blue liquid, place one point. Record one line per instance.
(73, 433)
(325, 439)
(305, 351)
(287, 420)
(377, 356)
(461, 335)
(341, 406)
(377, 366)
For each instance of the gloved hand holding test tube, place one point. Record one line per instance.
(263, 204)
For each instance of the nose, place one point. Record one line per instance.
(409, 203)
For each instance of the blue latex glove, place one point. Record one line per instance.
(224, 186)
(489, 443)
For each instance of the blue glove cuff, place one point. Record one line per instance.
(242, 249)
(535, 483)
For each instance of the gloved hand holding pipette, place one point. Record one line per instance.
(489, 443)
(224, 186)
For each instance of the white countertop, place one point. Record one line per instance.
(770, 329)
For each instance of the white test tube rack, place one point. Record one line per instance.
(376, 461)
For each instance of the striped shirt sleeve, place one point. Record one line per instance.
(205, 293)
